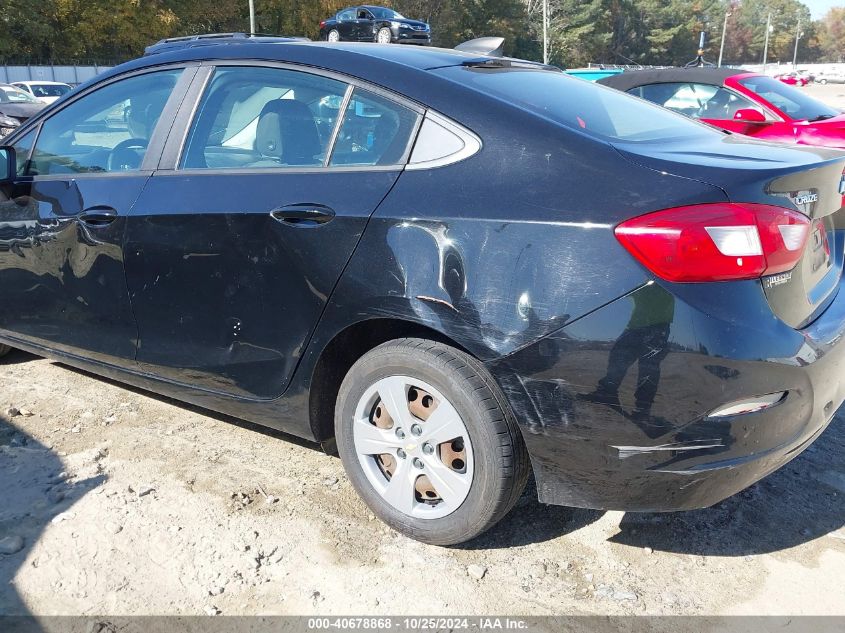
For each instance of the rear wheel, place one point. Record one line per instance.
(4, 349)
(429, 442)
(333, 36)
(822, 81)
(384, 36)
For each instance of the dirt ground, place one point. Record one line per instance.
(128, 503)
(116, 501)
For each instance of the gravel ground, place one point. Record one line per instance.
(118, 501)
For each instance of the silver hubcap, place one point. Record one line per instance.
(334, 36)
(384, 36)
(413, 447)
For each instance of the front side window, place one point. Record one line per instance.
(792, 101)
(700, 101)
(105, 131)
(375, 131)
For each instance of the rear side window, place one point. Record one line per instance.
(375, 131)
(256, 118)
(578, 104)
(253, 117)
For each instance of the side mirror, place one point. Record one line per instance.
(8, 165)
(749, 115)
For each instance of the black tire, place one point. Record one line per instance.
(501, 463)
(329, 36)
(4, 349)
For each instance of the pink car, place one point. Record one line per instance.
(738, 101)
(791, 79)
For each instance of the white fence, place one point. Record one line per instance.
(72, 75)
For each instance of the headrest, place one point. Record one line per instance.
(287, 131)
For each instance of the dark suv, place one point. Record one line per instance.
(449, 268)
(374, 24)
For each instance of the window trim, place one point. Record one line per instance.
(175, 147)
(157, 139)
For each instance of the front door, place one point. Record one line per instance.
(233, 252)
(62, 222)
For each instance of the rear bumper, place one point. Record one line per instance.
(614, 408)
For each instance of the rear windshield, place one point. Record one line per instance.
(796, 104)
(579, 104)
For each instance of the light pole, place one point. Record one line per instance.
(798, 35)
(724, 31)
(766, 45)
(545, 31)
(251, 17)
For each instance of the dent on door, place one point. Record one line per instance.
(63, 277)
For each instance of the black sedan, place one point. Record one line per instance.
(16, 107)
(374, 24)
(448, 268)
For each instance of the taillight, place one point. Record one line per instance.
(322, 23)
(716, 242)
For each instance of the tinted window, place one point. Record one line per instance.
(577, 103)
(263, 118)
(345, 16)
(107, 130)
(375, 131)
(701, 101)
(788, 99)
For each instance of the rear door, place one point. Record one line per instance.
(234, 247)
(63, 221)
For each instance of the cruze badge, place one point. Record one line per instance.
(806, 198)
(778, 280)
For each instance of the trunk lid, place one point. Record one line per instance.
(809, 180)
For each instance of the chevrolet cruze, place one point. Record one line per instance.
(453, 270)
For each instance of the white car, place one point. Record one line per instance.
(44, 91)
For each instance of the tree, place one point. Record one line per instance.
(831, 35)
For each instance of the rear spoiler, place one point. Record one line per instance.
(490, 46)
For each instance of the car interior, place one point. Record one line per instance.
(287, 119)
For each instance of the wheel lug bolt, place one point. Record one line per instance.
(401, 453)
(428, 449)
(418, 462)
(416, 430)
(400, 434)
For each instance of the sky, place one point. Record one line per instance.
(819, 7)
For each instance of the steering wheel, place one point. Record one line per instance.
(124, 158)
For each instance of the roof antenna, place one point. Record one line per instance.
(699, 61)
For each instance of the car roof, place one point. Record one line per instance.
(38, 81)
(287, 49)
(635, 78)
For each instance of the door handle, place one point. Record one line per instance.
(97, 217)
(303, 215)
